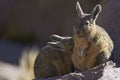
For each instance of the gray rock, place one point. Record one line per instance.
(106, 71)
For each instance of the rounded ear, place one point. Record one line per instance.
(95, 12)
(79, 9)
(55, 37)
(55, 46)
(52, 43)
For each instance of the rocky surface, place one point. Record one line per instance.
(8, 70)
(106, 71)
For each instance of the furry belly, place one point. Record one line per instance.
(85, 62)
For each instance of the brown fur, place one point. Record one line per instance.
(92, 44)
(54, 61)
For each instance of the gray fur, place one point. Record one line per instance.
(95, 36)
(55, 58)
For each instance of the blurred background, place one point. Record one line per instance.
(28, 23)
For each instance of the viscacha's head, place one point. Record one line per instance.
(85, 20)
(61, 43)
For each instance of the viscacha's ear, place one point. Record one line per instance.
(55, 46)
(95, 12)
(79, 9)
(55, 37)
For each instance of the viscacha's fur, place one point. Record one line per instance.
(92, 44)
(55, 58)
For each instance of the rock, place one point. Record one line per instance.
(106, 71)
(7, 71)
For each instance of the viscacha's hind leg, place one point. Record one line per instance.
(102, 57)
